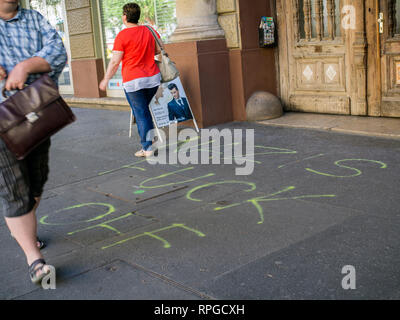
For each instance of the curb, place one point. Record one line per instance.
(335, 129)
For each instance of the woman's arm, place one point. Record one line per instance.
(111, 69)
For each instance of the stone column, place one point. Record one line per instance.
(197, 20)
(86, 61)
(200, 52)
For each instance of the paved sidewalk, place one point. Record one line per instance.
(371, 126)
(118, 227)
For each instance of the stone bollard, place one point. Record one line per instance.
(263, 105)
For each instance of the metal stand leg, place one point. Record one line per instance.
(130, 124)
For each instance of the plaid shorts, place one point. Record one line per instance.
(22, 180)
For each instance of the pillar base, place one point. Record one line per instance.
(197, 33)
(86, 75)
(205, 76)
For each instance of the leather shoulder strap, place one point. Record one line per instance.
(155, 37)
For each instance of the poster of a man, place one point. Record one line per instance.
(178, 107)
(170, 104)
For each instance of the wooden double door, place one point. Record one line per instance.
(340, 56)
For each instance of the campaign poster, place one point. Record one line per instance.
(170, 105)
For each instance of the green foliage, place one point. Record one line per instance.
(112, 12)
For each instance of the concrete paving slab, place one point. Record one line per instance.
(312, 269)
(10, 249)
(57, 245)
(77, 153)
(275, 146)
(117, 280)
(372, 126)
(73, 167)
(215, 224)
(138, 187)
(201, 244)
(16, 283)
(91, 218)
(351, 181)
(376, 159)
(14, 276)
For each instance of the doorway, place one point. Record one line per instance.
(340, 56)
(389, 56)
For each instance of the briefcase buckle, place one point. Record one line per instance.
(32, 117)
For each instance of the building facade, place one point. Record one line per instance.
(330, 56)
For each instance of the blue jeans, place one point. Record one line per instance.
(139, 102)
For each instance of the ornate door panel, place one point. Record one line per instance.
(390, 57)
(322, 56)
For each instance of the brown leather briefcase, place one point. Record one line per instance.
(32, 115)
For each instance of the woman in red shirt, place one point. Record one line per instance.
(135, 47)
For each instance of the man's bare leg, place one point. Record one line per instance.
(37, 199)
(23, 229)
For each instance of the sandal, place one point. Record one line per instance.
(40, 243)
(33, 271)
(144, 153)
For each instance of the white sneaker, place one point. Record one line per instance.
(144, 153)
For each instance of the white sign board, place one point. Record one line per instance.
(170, 105)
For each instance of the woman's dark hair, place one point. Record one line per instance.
(132, 12)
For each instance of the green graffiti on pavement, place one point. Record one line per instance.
(357, 171)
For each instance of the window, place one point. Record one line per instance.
(396, 17)
(160, 14)
(318, 19)
(54, 12)
(165, 18)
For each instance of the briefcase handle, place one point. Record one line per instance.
(3, 92)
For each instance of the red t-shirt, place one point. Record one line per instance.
(138, 45)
